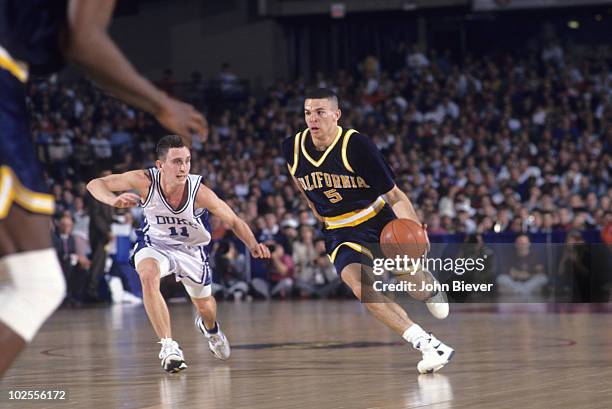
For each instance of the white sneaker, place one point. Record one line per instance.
(435, 355)
(438, 305)
(218, 343)
(171, 356)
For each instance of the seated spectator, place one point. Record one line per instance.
(281, 272)
(319, 278)
(229, 266)
(304, 257)
(524, 276)
(473, 248)
(574, 269)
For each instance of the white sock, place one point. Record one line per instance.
(415, 335)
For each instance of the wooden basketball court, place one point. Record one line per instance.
(320, 354)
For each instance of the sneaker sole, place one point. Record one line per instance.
(174, 365)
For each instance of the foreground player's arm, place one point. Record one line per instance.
(88, 45)
(208, 199)
(103, 188)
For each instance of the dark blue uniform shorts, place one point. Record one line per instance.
(357, 244)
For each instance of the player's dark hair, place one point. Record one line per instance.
(322, 93)
(167, 142)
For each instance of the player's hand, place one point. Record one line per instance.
(183, 120)
(260, 250)
(126, 200)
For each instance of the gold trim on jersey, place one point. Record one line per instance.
(17, 68)
(318, 163)
(357, 247)
(11, 190)
(345, 140)
(296, 152)
(356, 217)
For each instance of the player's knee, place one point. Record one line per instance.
(149, 277)
(148, 273)
(36, 288)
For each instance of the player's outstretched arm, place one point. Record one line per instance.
(103, 188)
(208, 199)
(88, 45)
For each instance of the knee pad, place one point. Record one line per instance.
(32, 286)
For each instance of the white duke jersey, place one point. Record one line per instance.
(164, 225)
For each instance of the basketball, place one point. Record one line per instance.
(403, 237)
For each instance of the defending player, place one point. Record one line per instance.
(36, 36)
(349, 186)
(174, 240)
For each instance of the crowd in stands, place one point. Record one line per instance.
(506, 143)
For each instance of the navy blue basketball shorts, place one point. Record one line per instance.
(21, 177)
(357, 244)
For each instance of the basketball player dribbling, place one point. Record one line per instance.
(349, 186)
(36, 37)
(174, 239)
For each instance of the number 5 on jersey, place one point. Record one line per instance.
(333, 195)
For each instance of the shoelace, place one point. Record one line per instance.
(169, 348)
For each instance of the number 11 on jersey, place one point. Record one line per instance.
(173, 231)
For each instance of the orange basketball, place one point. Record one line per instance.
(403, 237)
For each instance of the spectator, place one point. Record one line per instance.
(477, 150)
(524, 275)
(230, 266)
(282, 269)
(73, 264)
(574, 269)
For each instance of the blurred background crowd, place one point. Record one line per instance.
(486, 147)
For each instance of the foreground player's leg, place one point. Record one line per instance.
(171, 355)
(206, 323)
(435, 353)
(32, 284)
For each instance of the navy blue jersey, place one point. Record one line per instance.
(346, 181)
(29, 31)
